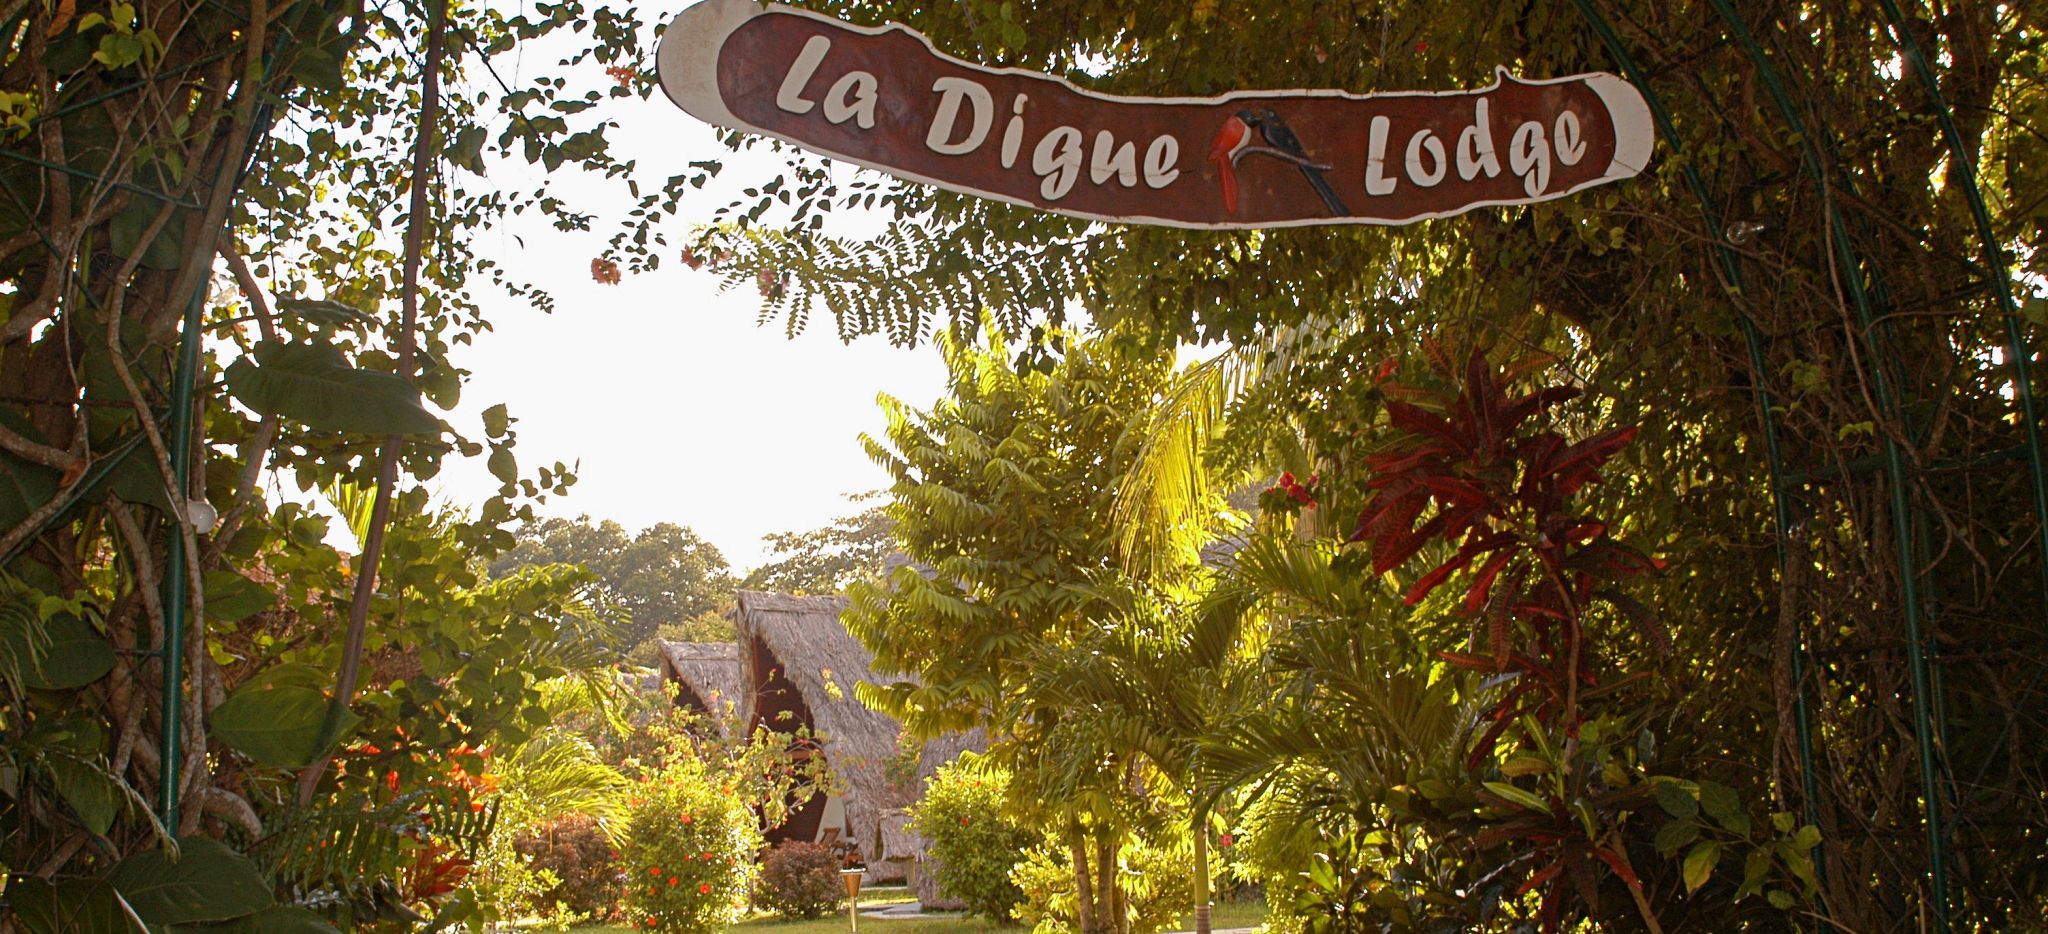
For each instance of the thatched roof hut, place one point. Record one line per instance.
(707, 676)
(802, 668)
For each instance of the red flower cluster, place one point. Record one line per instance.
(623, 74)
(1303, 493)
(605, 271)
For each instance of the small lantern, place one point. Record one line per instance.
(852, 879)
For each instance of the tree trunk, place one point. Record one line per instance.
(1084, 890)
(1107, 918)
(1201, 874)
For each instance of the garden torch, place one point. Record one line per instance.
(852, 879)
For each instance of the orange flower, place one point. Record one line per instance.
(604, 271)
(623, 75)
(704, 889)
(655, 871)
(672, 880)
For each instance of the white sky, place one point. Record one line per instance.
(678, 407)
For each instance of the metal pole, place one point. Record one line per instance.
(170, 756)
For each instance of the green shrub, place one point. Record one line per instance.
(973, 845)
(800, 880)
(587, 878)
(1157, 882)
(689, 852)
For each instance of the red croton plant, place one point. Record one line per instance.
(1477, 471)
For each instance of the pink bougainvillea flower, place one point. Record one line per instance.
(604, 271)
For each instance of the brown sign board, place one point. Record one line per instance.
(884, 98)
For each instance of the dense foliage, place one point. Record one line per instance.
(689, 851)
(972, 845)
(662, 575)
(800, 879)
(586, 879)
(1799, 306)
(827, 559)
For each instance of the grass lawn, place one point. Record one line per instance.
(1231, 915)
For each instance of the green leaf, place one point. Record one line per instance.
(1524, 765)
(94, 796)
(1723, 805)
(277, 726)
(1676, 835)
(1699, 865)
(1781, 899)
(74, 906)
(231, 597)
(208, 882)
(1756, 869)
(313, 384)
(137, 479)
(323, 312)
(75, 655)
(124, 233)
(497, 421)
(24, 487)
(318, 68)
(279, 919)
(1524, 798)
(503, 465)
(1676, 801)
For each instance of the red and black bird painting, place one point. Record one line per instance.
(1263, 132)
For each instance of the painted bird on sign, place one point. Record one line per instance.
(1281, 137)
(1274, 138)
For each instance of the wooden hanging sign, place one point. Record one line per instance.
(886, 99)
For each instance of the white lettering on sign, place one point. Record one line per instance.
(1418, 144)
(1162, 159)
(1110, 159)
(1475, 146)
(1013, 134)
(790, 96)
(853, 96)
(1529, 156)
(1058, 161)
(951, 92)
(1376, 180)
(1570, 147)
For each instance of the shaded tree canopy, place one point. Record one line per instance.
(826, 559)
(660, 575)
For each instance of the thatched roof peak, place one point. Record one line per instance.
(709, 670)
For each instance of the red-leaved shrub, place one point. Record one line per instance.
(800, 880)
(576, 851)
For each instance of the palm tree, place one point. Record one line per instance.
(1143, 690)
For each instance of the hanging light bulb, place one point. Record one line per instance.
(1742, 232)
(202, 515)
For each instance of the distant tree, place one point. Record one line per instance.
(663, 575)
(825, 560)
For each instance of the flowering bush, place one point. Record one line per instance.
(973, 846)
(586, 877)
(689, 852)
(800, 880)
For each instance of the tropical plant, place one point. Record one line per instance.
(973, 845)
(689, 851)
(581, 865)
(799, 879)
